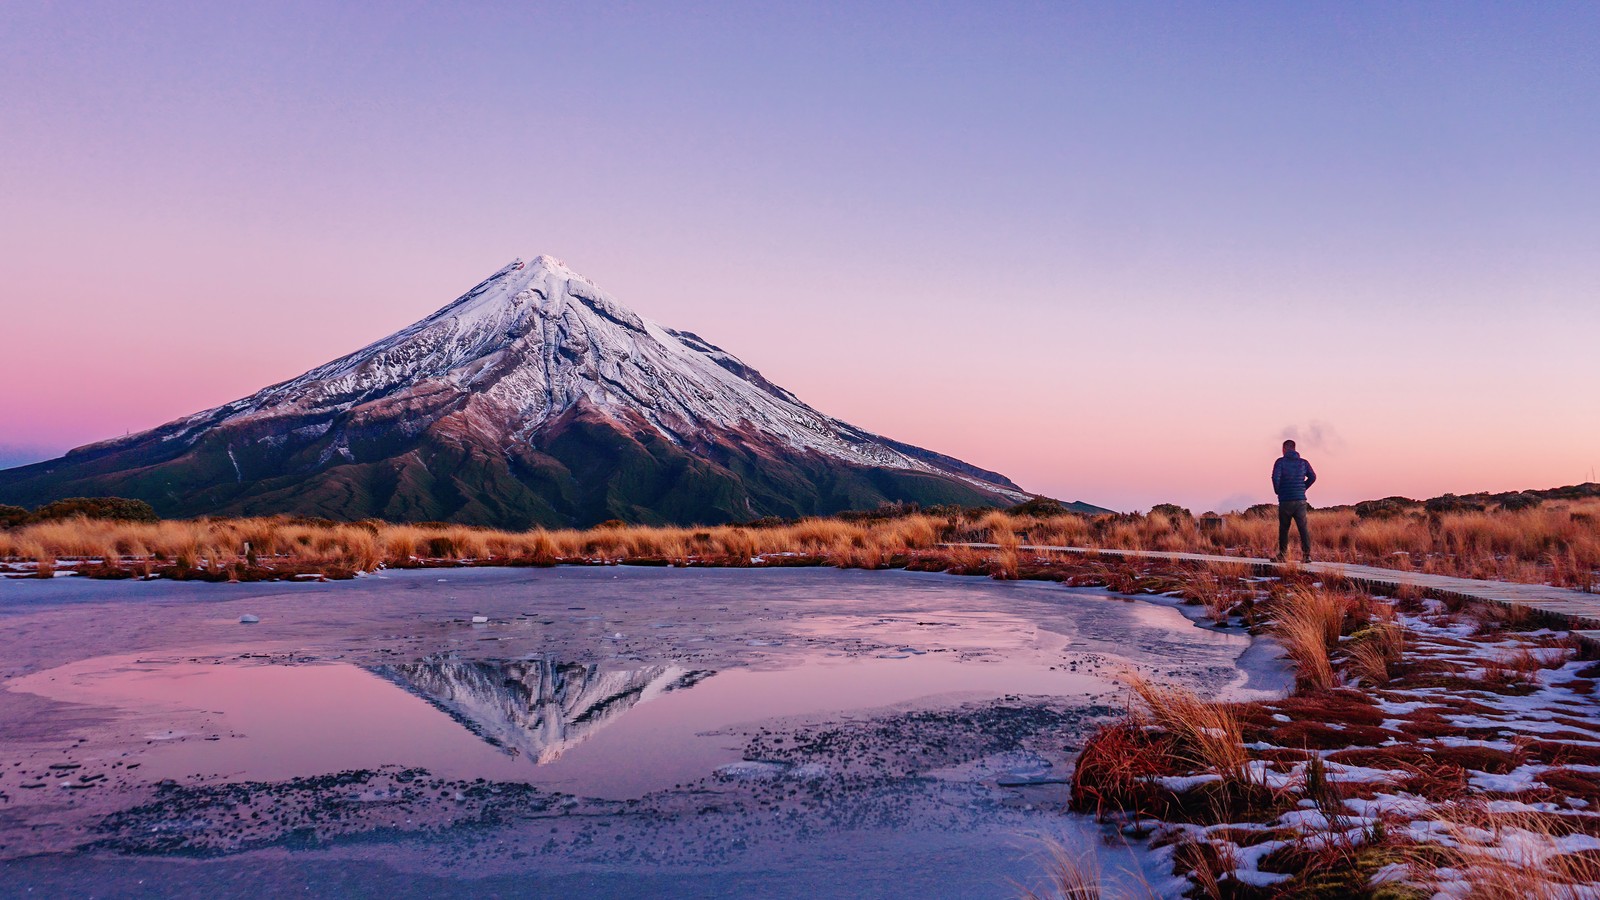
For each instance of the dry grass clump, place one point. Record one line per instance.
(1060, 531)
(1219, 587)
(1229, 570)
(909, 533)
(958, 560)
(1077, 874)
(1374, 651)
(1521, 666)
(1308, 622)
(1113, 772)
(1207, 734)
(1206, 864)
(1003, 534)
(1068, 875)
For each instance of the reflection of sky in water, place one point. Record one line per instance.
(624, 680)
(611, 731)
(594, 696)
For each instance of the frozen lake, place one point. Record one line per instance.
(590, 731)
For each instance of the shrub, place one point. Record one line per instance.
(11, 516)
(117, 508)
(1450, 503)
(1516, 502)
(884, 512)
(1387, 508)
(1041, 508)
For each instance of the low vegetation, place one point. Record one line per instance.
(1523, 537)
(1428, 750)
(116, 508)
(257, 548)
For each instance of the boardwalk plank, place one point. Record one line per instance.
(1580, 609)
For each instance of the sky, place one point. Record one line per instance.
(1116, 251)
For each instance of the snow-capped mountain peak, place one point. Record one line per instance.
(536, 339)
(507, 373)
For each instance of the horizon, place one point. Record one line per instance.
(1063, 244)
(12, 457)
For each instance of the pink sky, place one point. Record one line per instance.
(1112, 261)
(1118, 406)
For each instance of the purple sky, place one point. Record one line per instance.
(1116, 251)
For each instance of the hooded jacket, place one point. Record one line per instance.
(1291, 475)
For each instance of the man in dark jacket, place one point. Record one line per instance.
(1291, 475)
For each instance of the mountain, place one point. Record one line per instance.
(533, 399)
(535, 708)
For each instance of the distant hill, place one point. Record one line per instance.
(1482, 500)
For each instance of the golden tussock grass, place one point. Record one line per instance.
(1077, 873)
(1207, 734)
(203, 544)
(1068, 875)
(1214, 593)
(1374, 651)
(1521, 666)
(1557, 542)
(1003, 534)
(1308, 622)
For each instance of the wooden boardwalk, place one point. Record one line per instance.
(1580, 610)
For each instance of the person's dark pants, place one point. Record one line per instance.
(1293, 511)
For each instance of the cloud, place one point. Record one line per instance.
(1314, 435)
(1240, 502)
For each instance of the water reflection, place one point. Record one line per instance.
(538, 708)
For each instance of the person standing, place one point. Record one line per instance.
(1291, 475)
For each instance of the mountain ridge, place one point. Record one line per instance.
(535, 398)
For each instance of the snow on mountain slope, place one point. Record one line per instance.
(496, 409)
(535, 708)
(534, 340)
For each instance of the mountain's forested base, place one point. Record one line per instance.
(586, 469)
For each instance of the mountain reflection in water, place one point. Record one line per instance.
(537, 708)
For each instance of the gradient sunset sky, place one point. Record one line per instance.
(1115, 251)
